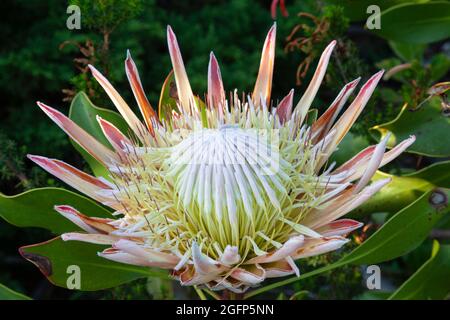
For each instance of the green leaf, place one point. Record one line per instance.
(373, 295)
(34, 208)
(83, 112)
(403, 190)
(168, 98)
(9, 294)
(53, 258)
(357, 10)
(416, 22)
(431, 281)
(427, 123)
(407, 51)
(402, 233)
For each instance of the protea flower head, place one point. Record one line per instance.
(228, 192)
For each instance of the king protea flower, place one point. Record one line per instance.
(224, 193)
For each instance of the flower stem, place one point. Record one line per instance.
(212, 294)
(200, 293)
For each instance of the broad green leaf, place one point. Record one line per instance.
(348, 147)
(373, 295)
(404, 231)
(9, 294)
(399, 235)
(428, 124)
(408, 51)
(53, 258)
(403, 190)
(416, 22)
(356, 10)
(83, 112)
(168, 98)
(34, 208)
(431, 281)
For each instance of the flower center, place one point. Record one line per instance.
(230, 181)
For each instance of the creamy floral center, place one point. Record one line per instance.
(230, 179)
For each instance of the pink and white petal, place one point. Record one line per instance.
(202, 263)
(280, 268)
(373, 164)
(289, 247)
(294, 267)
(305, 102)
(324, 123)
(263, 85)
(230, 256)
(123, 257)
(75, 178)
(344, 204)
(251, 275)
(153, 257)
(80, 136)
(284, 108)
(397, 150)
(339, 227)
(73, 215)
(95, 225)
(350, 115)
(185, 95)
(90, 238)
(229, 284)
(359, 162)
(216, 92)
(117, 139)
(314, 247)
(123, 108)
(135, 82)
(189, 276)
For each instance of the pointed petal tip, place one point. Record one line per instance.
(273, 28)
(170, 34)
(212, 59)
(381, 183)
(65, 209)
(64, 237)
(353, 83)
(330, 46)
(42, 105)
(34, 158)
(378, 75)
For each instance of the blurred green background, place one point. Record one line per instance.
(42, 60)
